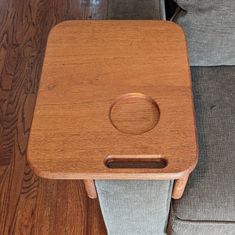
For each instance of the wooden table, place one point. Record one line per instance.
(115, 102)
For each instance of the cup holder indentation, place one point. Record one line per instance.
(134, 113)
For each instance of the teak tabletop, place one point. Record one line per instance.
(115, 102)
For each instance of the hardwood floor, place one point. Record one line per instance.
(28, 204)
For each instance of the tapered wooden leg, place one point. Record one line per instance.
(179, 187)
(90, 188)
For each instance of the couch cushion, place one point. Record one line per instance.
(210, 31)
(210, 192)
(183, 227)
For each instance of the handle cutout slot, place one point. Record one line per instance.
(138, 163)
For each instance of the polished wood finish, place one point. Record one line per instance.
(30, 205)
(114, 88)
(134, 113)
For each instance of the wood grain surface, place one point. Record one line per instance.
(114, 88)
(30, 205)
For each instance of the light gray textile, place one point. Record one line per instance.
(135, 9)
(210, 192)
(134, 207)
(181, 227)
(210, 31)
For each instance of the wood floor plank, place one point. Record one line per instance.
(30, 205)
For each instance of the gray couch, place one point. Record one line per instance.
(207, 206)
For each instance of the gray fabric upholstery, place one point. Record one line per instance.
(134, 207)
(181, 227)
(210, 192)
(210, 31)
(135, 9)
(208, 205)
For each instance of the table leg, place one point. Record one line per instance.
(90, 188)
(179, 187)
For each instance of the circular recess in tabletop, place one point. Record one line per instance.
(134, 113)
